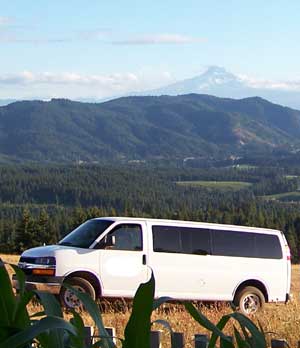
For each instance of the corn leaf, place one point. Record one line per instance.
(203, 321)
(7, 298)
(93, 310)
(160, 301)
(27, 335)
(137, 331)
(241, 343)
(257, 338)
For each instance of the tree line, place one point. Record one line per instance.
(40, 204)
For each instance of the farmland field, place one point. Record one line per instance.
(219, 185)
(243, 166)
(286, 197)
(278, 320)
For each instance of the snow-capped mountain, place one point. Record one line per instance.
(219, 82)
(214, 77)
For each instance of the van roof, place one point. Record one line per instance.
(191, 223)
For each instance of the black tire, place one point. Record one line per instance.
(68, 299)
(249, 300)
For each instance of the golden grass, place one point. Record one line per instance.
(10, 258)
(278, 320)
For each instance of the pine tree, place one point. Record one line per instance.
(46, 231)
(292, 241)
(79, 216)
(26, 237)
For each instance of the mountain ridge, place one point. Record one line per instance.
(145, 127)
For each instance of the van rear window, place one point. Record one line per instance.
(268, 246)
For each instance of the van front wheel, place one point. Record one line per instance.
(67, 296)
(249, 300)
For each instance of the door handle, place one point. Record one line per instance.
(144, 259)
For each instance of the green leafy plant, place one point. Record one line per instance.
(17, 328)
(48, 329)
(250, 335)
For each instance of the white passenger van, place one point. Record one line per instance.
(111, 256)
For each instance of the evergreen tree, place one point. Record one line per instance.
(45, 230)
(26, 236)
(292, 241)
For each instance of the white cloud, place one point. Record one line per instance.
(96, 34)
(18, 33)
(24, 34)
(29, 84)
(12, 37)
(5, 21)
(27, 77)
(6, 32)
(159, 39)
(74, 85)
(269, 84)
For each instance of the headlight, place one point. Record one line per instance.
(48, 260)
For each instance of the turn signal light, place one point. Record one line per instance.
(41, 271)
(288, 252)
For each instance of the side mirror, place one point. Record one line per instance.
(107, 241)
(110, 240)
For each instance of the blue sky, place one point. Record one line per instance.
(100, 48)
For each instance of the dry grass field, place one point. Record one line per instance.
(277, 320)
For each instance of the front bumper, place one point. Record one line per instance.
(52, 285)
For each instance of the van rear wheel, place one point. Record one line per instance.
(249, 300)
(67, 296)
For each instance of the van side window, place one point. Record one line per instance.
(166, 239)
(127, 237)
(185, 240)
(243, 244)
(233, 243)
(200, 241)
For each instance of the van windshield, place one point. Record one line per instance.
(84, 235)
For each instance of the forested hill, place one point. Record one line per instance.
(144, 127)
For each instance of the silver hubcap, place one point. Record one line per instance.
(71, 300)
(251, 303)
